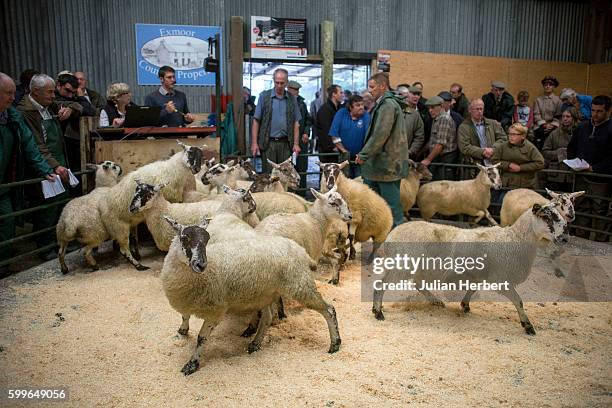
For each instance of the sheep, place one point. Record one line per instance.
(517, 201)
(287, 174)
(309, 229)
(80, 219)
(371, 214)
(510, 253)
(471, 197)
(237, 277)
(176, 173)
(201, 188)
(153, 205)
(269, 203)
(409, 185)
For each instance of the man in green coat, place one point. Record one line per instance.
(305, 123)
(384, 156)
(16, 146)
(43, 115)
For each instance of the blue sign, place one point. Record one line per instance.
(182, 47)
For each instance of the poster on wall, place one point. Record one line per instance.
(278, 38)
(182, 47)
(384, 61)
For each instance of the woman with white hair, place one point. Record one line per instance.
(119, 97)
(582, 103)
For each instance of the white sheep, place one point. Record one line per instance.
(471, 197)
(309, 229)
(409, 185)
(269, 203)
(286, 173)
(371, 214)
(154, 206)
(237, 277)
(80, 218)
(517, 201)
(506, 254)
(176, 173)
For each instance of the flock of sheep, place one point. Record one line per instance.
(239, 242)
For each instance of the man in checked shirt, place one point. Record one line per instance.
(442, 143)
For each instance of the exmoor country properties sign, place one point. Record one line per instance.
(182, 47)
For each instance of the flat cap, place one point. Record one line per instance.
(294, 85)
(434, 101)
(445, 95)
(498, 85)
(414, 90)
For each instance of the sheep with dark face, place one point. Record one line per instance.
(176, 173)
(237, 277)
(511, 252)
(286, 173)
(471, 197)
(371, 214)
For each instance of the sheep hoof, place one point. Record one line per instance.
(183, 332)
(335, 346)
(559, 273)
(64, 270)
(378, 314)
(249, 331)
(253, 347)
(281, 315)
(438, 303)
(528, 328)
(333, 281)
(191, 367)
(465, 307)
(352, 254)
(141, 267)
(95, 268)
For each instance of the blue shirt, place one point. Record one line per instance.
(278, 123)
(350, 132)
(585, 105)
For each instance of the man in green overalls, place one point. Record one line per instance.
(43, 117)
(16, 146)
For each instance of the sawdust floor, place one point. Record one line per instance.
(115, 345)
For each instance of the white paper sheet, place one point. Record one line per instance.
(577, 164)
(52, 188)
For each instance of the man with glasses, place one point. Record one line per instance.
(96, 100)
(276, 124)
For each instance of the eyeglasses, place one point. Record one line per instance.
(515, 134)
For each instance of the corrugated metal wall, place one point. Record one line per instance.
(97, 36)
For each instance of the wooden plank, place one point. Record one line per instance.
(439, 71)
(131, 154)
(600, 79)
(327, 49)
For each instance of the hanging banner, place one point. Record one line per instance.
(184, 48)
(278, 38)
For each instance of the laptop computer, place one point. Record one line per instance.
(141, 116)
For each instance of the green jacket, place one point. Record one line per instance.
(34, 121)
(23, 151)
(385, 149)
(306, 121)
(415, 130)
(558, 139)
(525, 155)
(469, 143)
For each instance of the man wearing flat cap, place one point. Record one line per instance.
(305, 123)
(499, 104)
(546, 111)
(447, 104)
(442, 142)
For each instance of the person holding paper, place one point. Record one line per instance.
(592, 142)
(17, 150)
(43, 116)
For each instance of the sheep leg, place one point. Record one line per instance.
(555, 258)
(264, 323)
(315, 302)
(194, 363)
(375, 247)
(351, 238)
(281, 309)
(335, 276)
(252, 327)
(124, 248)
(184, 329)
(377, 297)
(490, 218)
(90, 259)
(431, 298)
(134, 243)
(479, 216)
(514, 297)
(62, 257)
(465, 302)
